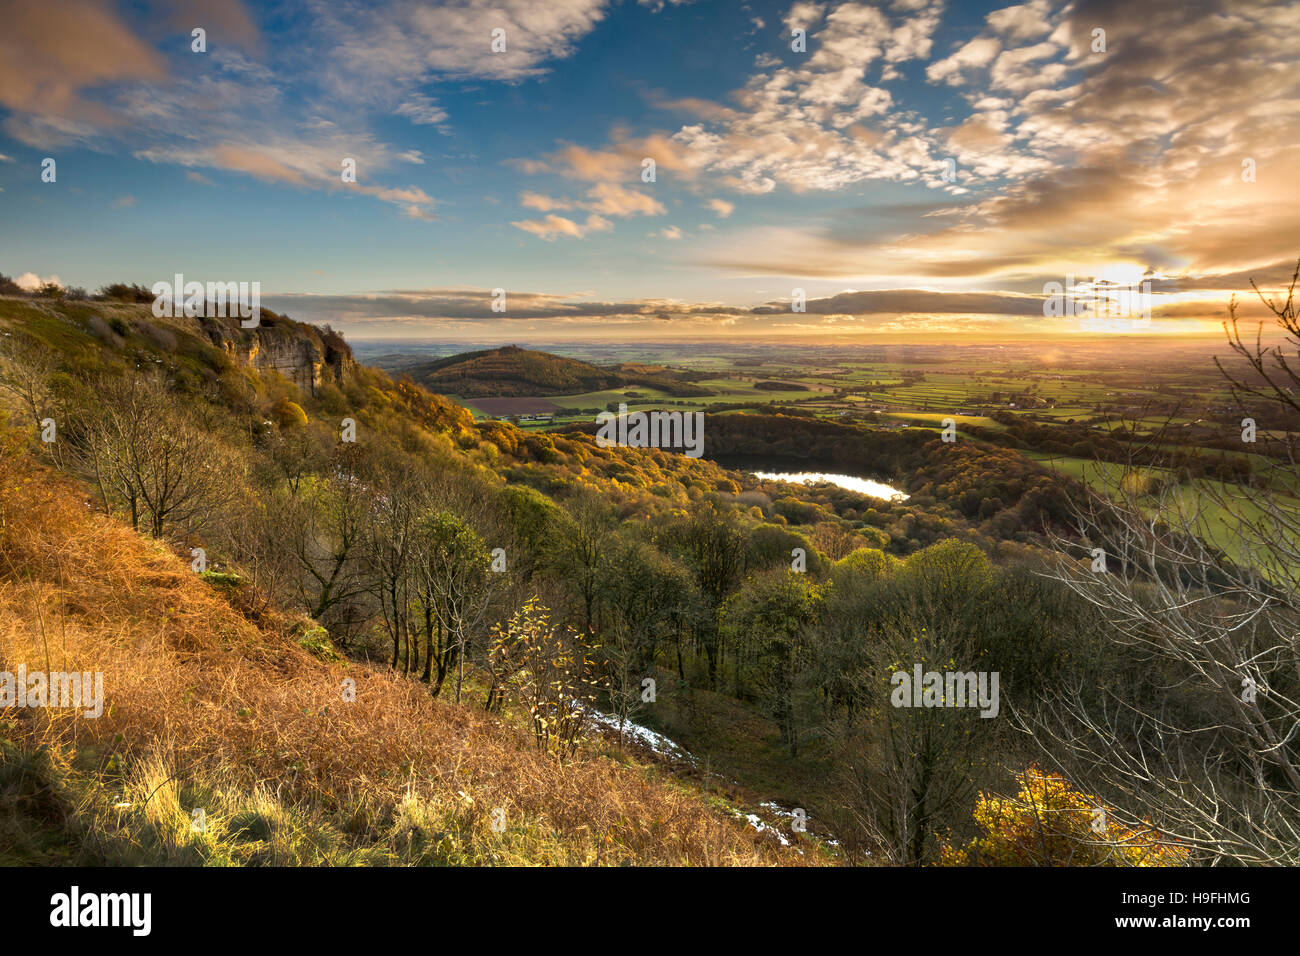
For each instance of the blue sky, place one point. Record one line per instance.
(821, 169)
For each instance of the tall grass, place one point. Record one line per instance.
(205, 710)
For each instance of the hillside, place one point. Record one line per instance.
(212, 710)
(512, 371)
(203, 347)
(223, 694)
(230, 539)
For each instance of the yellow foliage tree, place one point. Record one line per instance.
(550, 671)
(1049, 823)
(289, 414)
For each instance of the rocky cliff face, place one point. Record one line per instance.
(304, 354)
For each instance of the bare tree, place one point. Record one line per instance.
(1204, 740)
(25, 370)
(144, 451)
(397, 502)
(327, 529)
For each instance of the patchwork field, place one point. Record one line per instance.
(1108, 389)
(501, 407)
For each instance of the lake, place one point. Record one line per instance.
(800, 472)
(865, 486)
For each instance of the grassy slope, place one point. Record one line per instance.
(207, 709)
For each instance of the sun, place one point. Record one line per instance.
(1125, 273)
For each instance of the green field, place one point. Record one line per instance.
(1216, 511)
(936, 419)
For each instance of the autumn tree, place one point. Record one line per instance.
(642, 599)
(553, 674)
(581, 549)
(713, 544)
(1050, 823)
(907, 770)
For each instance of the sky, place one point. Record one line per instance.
(821, 171)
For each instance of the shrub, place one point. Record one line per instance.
(1049, 823)
(223, 579)
(125, 292)
(550, 671)
(289, 414)
(316, 641)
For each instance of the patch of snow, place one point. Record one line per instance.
(664, 747)
(657, 742)
(781, 811)
(762, 827)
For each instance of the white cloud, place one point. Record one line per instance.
(657, 6)
(614, 200)
(531, 200)
(554, 227)
(975, 53)
(803, 15)
(93, 78)
(421, 110)
(603, 199)
(402, 42)
(822, 123)
(306, 159)
(30, 281)
(1023, 22)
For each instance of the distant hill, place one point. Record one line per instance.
(514, 371)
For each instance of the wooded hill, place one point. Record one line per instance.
(512, 371)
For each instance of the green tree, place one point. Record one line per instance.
(453, 591)
(771, 618)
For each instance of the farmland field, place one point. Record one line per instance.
(511, 406)
(1100, 392)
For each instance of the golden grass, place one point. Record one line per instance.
(204, 709)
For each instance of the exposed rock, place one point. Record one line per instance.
(304, 354)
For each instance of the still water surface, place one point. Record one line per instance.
(865, 486)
